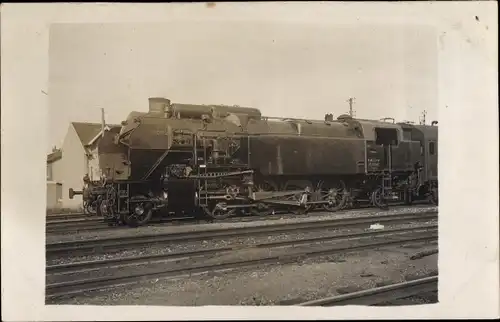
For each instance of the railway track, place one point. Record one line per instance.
(102, 245)
(95, 224)
(365, 240)
(73, 216)
(380, 295)
(76, 225)
(124, 261)
(55, 226)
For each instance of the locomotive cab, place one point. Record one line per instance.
(387, 138)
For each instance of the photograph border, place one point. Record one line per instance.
(468, 151)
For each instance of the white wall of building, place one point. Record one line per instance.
(68, 171)
(54, 170)
(72, 168)
(93, 164)
(54, 194)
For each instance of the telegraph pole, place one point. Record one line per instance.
(351, 102)
(103, 123)
(422, 118)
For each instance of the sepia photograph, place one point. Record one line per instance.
(242, 163)
(246, 162)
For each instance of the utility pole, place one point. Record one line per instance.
(422, 118)
(103, 122)
(351, 102)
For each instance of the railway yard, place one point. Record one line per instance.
(359, 256)
(254, 184)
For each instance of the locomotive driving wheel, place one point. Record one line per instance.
(335, 193)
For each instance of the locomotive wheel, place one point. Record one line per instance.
(219, 211)
(140, 214)
(91, 208)
(106, 211)
(336, 193)
(378, 199)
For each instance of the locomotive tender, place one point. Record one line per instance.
(219, 160)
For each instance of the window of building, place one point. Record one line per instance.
(431, 148)
(49, 172)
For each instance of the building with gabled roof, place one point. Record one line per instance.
(67, 165)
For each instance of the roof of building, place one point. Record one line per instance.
(54, 156)
(87, 131)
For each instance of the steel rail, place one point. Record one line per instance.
(99, 224)
(124, 261)
(63, 222)
(90, 284)
(109, 244)
(95, 224)
(60, 218)
(80, 215)
(380, 294)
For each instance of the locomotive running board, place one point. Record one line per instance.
(212, 175)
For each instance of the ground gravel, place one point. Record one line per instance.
(239, 255)
(166, 229)
(218, 243)
(277, 284)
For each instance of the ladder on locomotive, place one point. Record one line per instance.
(123, 195)
(201, 168)
(387, 172)
(386, 137)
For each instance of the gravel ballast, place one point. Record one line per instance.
(225, 242)
(229, 256)
(276, 284)
(166, 229)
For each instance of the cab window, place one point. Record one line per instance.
(407, 135)
(386, 136)
(431, 148)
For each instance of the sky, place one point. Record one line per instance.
(283, 69)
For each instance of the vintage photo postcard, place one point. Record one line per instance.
(250, 160)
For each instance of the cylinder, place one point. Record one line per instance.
(158, 105)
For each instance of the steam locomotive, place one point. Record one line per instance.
(220, 160)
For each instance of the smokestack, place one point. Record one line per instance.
(103, 123)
